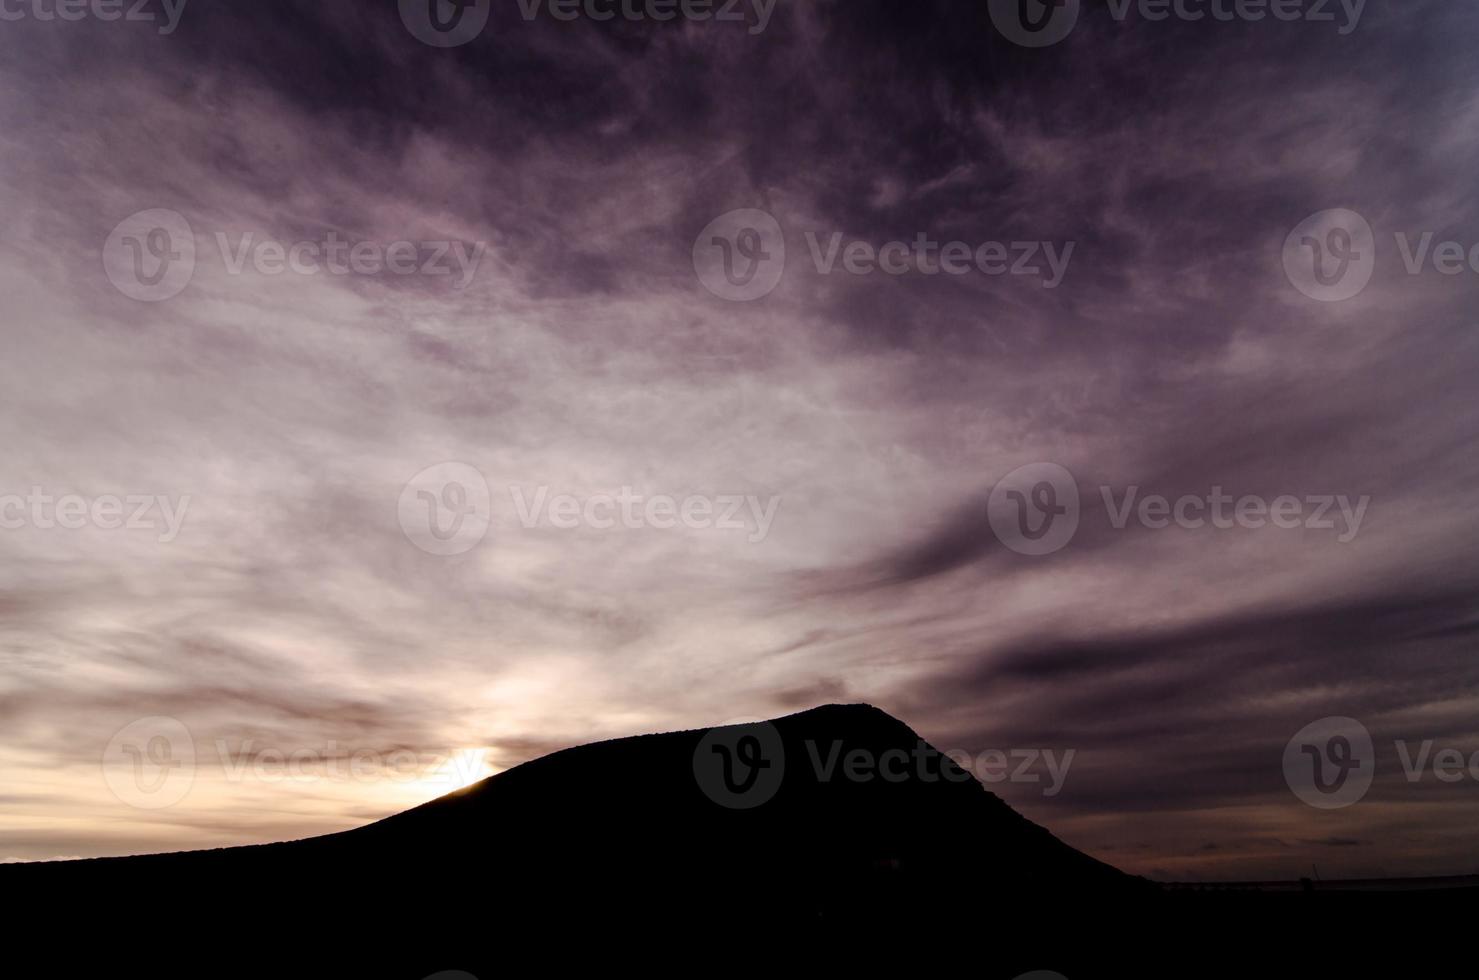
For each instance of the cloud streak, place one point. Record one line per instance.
(583, 355)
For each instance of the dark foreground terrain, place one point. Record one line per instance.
(648, 852)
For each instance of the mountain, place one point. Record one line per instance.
(821, 819)
(835, 839)
(657, 807)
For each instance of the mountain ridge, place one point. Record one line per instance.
(633, 834)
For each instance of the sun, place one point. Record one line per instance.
(461, 769)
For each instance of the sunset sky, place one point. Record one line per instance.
(275, 600)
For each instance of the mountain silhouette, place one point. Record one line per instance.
(834, 822)
(656, 807)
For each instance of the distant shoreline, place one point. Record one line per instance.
(1432, 883)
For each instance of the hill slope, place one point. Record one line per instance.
(837, 815)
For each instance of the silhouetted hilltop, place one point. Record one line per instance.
(829, 818)
(853, 792)
(636, 807)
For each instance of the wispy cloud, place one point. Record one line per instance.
(585, 356)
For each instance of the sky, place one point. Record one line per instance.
(693, 370)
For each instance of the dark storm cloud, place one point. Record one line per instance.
(1194, 720)
(1252, 652)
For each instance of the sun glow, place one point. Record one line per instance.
(461, 769)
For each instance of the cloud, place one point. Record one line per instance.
(585, 356)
